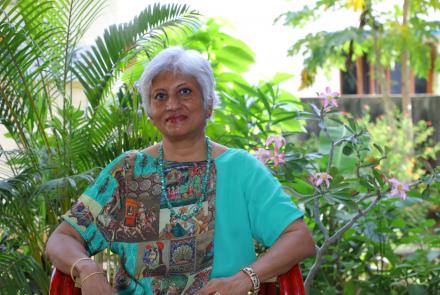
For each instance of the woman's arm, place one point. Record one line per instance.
(294, 244)
(64, 247)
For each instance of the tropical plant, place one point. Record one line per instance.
(57, 142)
(362, 217)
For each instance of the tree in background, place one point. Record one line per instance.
(387, 35)
(402, 34)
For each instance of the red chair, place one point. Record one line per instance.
(62, 284)
(290, 283)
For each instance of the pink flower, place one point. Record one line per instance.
(278, 140)
(398, 188)
(278, 158)
(312, 179)
(321, 178)
(329, 97)
(263, 155)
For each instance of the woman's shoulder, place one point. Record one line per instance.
(218, 149)
(130, 157)
(229, 154)
(152, 150)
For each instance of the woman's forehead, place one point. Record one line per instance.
(167, 77)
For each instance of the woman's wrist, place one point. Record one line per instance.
(244, 280)
(252, 276)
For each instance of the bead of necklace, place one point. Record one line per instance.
(164, 193)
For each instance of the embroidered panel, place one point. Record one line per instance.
(177, 253)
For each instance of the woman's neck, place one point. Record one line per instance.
(188, 150)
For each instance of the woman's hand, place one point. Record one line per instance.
(239, 284)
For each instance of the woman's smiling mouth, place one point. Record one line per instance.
(176, 118)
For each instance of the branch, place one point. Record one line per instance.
(294, 192)
(316, 215)
(330, 157)
(334, 238)
(365, 197)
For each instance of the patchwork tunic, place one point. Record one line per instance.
(159, 254)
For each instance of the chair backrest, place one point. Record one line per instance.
(290, 283)
(62, 284)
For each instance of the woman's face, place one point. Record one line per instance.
(176, 106)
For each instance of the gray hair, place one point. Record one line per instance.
(183, 61)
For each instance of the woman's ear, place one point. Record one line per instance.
(209, 111)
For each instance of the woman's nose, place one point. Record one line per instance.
(173, 103)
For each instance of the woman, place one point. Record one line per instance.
(181, 214)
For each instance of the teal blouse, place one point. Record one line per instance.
(250, 204)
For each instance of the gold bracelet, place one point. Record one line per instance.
(254, 279)
(75, 263)
(89, 276)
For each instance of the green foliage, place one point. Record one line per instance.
(380, 35)
(389, 250)
(21, 274)
(407, 160)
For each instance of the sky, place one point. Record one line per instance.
(253, 22)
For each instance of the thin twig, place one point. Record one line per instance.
(334, 238)
(316, 215)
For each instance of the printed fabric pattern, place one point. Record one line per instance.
(123, 210)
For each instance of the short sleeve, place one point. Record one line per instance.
(271, 210)
(83, 215)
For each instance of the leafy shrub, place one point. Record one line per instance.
(372, 233)
(407, 160)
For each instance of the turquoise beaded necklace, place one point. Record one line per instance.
(195, 210)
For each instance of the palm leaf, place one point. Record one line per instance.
(69, 20)
(20, 61)
(21, 274)
(99, 67)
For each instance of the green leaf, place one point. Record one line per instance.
(417, 290)
(347, 149)
(236, 55)
(378, 177)
(316, 110)
(378, 148)
(281, 77)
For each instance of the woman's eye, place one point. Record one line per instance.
(160, 96)
(185, 91)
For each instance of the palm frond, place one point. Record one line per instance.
(99, 67)
(70, 19)
(21, 274)
(20, 56)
